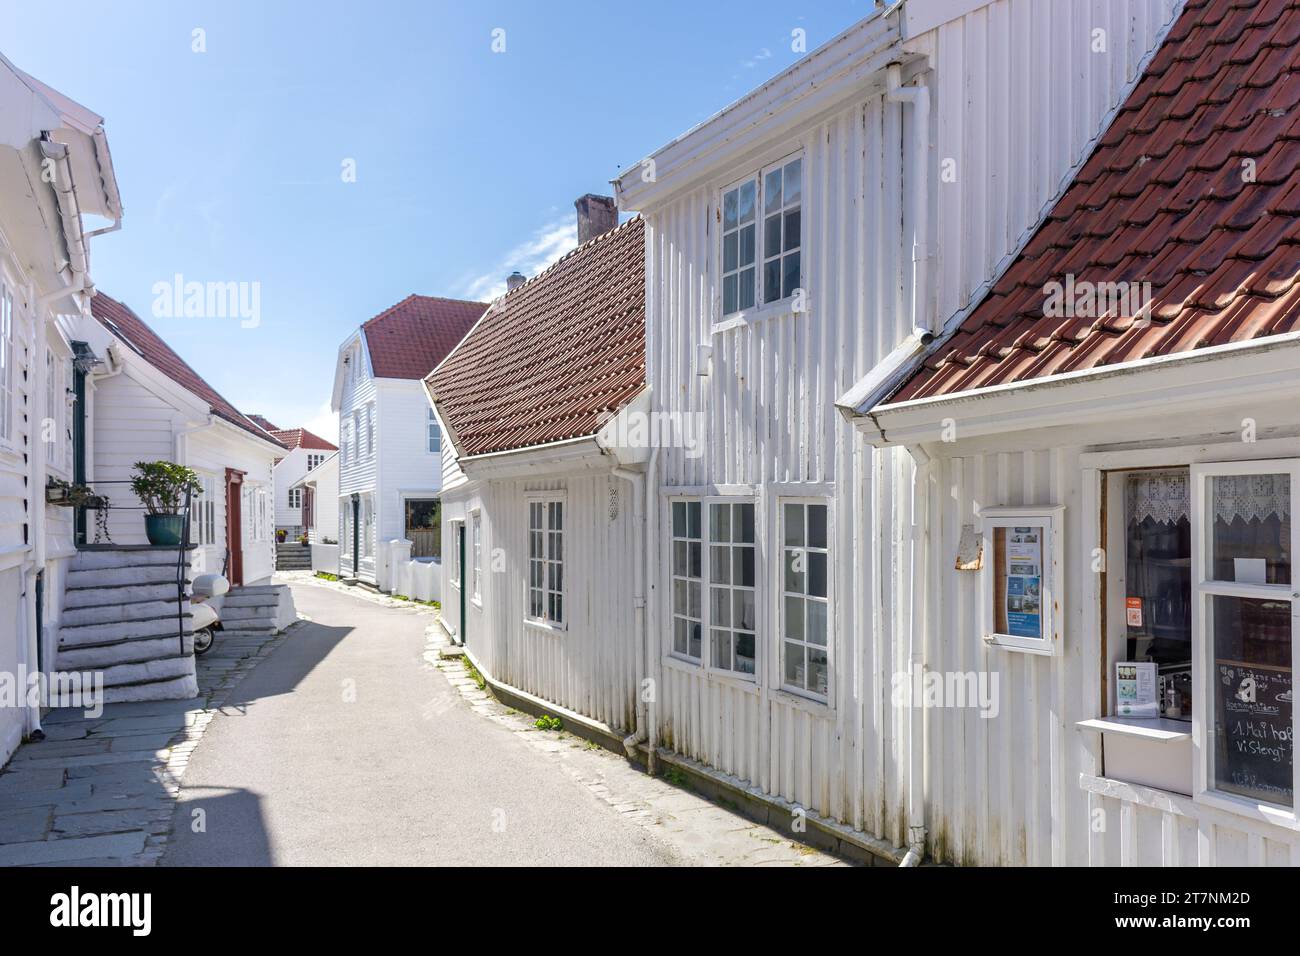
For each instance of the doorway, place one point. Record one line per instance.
(234, 526)
(460, 576)
(424, 527)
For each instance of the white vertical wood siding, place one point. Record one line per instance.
(591, 666)
(408, 469)
(358, 472)
(767, 406)
(290, 470)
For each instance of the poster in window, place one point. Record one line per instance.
(1024, 581)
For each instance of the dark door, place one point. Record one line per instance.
(79, 444)
(460, 569)
(234, 525)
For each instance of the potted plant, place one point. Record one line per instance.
(161, 487)
(66, 494)
(303, 539)
(281, 535)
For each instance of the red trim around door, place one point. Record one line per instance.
(234, 525)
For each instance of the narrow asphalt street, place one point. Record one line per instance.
(345, 747)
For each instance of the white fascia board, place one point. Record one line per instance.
(845, 67)
(922, 16)
(336, 394)
(567, 457)
(1186, 383)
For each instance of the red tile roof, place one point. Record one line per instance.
(118, 318)
(1166, 198)
(553, 358)
(409, 339)
(262, 422)
(301, 438)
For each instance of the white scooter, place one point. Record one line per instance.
(205, 621)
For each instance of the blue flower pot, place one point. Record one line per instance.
(164, 529)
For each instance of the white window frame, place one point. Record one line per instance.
(1204, 590)
(1051, 519)
(730, 587)
(476, 550)
(723, 320)
(433, 441)
(370, 429)
(546, 500)
(203, 519)
(367, 526)
(674, 578)
(786, 208)
(723, 233)
(295, 497)
(357, 445)
(781, 594)
(457, 570)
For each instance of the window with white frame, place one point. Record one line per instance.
(732, 607)
(358, 436)
(688, 578)
(546, 561)
(314, 460)
(457, 570)
(762, 237)
(203, 512)
(435, 434)
(7, 358)
(805, 597)
(295, 497)
(367, 526)
(370, 430)
(477, 538)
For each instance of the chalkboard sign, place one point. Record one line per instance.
(1254, 746)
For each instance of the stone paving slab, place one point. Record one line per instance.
(99, 791)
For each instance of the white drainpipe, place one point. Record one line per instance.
(919, 202)
(918, 188)
(643, 569)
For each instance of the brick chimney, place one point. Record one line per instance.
(514, 281)
(597, 215)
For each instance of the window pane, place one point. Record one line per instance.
(693, 644)
(744, 515)
(693, 596)
(793, 181)
(794, 525)
(794, 618)
(558, 523)
(816, 611)
(746, 247)
(729, 206)
(695, 569)
(679, 519)
(730, 245)
(679, 636)
(817, 573)
(772, 191)
(722, 649)
(794, 664)
(746, 291)
(680, 565)
(744, 566)
(729, 298)
(720, 565)
(1252, 748)
(719, 523)
(816, 526)
(817, 671)
(795, 561)
(747, 202)
(792, 230)
(693, 519)
(790, 267)
(772, 281)
(1251, 537)
(771, 236)
(745, 653)
(679, 598)
(743, 610)
(720, 607)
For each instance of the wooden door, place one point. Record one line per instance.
(234, 526)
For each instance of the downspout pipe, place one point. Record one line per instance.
(919, 562)
(918, 186)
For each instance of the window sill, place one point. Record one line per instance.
(1160, 729)
(545, 626)
(763, 313)
(816, 706)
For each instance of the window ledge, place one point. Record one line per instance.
(1161, 729)
(545, 626)
(763, 313)
(818, 707)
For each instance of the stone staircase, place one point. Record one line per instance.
(250, 609)
(122, 618)
(292, 556)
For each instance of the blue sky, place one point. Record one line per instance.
(230, 161)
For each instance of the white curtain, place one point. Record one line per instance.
(1251, 497)
(1163, 496)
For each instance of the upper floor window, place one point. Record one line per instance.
(764, 212)
(314, 460)
(435, 434)
(357, 435)
(370, 430)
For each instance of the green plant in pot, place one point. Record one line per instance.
(161, 487)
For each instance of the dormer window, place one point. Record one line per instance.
(763, 212)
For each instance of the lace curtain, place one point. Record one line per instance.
(1166, 497)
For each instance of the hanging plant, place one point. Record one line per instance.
(66, 494)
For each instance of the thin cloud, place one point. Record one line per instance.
(547, 244)
(761, 55)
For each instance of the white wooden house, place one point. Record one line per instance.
(1106, 466)
(307, 451)
(800, 244)
(56, 179)
(390, 446)
(320, 496)
(543, 512)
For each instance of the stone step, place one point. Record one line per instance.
(176, 688)
(87, 635)
(231, 614)
(119, 594)
(116, 613)
(113, 576)
(143, 672)
(124, 558)
(124, 652)
(269, 603)
(246, 589)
